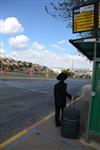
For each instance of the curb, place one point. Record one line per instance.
(91, 144)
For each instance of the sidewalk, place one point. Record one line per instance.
(45, 136)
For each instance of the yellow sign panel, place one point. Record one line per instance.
(84, 18)
(99, 16)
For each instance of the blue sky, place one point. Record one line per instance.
(28, 33)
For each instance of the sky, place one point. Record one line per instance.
(28, 33)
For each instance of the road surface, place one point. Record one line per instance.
(23, 102)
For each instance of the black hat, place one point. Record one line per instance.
(62, 76)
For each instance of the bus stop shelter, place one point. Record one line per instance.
(90, 47)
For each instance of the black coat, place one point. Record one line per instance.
(60, 93)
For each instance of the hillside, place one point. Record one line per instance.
(11, 65)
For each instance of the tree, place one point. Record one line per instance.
(63, 10)
(68, 72)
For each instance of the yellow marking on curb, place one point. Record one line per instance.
(40, 122)
(0, 147)
(49, 116)
(12, 139)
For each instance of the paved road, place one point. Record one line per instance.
(14, 74)
(23, 102)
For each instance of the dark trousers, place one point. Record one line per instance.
(58, 113)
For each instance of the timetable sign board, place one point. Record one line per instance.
(83, 18)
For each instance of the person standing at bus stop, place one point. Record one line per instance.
(60, 94)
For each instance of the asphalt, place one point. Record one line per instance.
(44, 135)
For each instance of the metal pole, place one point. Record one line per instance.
(92, 88)
(72, 68)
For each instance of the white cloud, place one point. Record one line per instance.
(37, 45)
(1, 45)
(19, 42)
(41, 56)
(61, 42)
(2, 50)
(66, 45)
(37, 53)
(10, 26)
(58, 47)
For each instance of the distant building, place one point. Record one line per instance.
(57, 70)
(89, 74)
